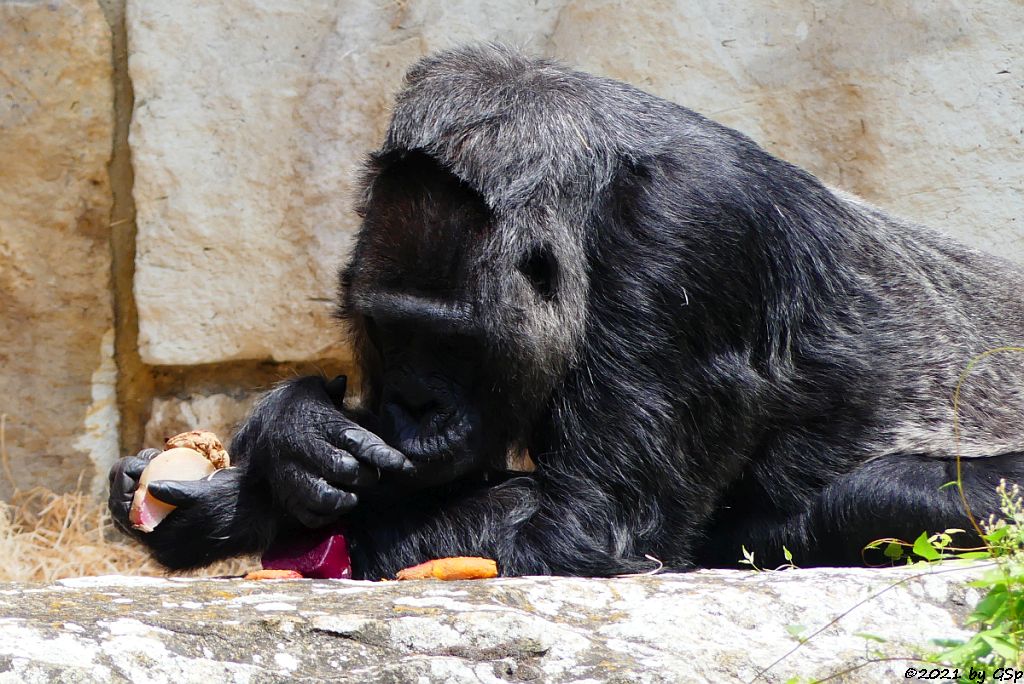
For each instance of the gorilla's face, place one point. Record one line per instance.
(430, 386)
(411, 300)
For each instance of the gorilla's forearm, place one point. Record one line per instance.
(514, 522)
(239, 521)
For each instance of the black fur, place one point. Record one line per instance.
(699, 345)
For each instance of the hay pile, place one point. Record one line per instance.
(46, 536)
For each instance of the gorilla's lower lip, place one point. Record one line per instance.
(434, 445)
(427, 438)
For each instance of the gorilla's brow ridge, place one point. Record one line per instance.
(439, 315)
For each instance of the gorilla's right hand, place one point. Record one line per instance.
(225, 515)
(298, 459)
(316, 460)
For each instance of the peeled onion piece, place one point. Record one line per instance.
(174, 464)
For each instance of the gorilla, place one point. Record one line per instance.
(698, 345)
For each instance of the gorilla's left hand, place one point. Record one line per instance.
(315, 458)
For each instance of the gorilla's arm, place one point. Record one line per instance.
(288, 473)
(527, 530)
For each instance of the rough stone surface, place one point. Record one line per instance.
(251, 119)
(917, 107)
(218, 413)
(708, 626)
(56, 337)
(226, 268)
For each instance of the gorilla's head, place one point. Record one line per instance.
(467, 291)
(463, 325)
(532, 238)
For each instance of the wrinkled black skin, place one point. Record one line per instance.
(732, 381)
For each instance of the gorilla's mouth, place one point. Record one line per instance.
(431, 434)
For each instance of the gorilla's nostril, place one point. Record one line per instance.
(416, 408)
(414, 397)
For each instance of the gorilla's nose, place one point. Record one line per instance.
(414, 398)
(409, 409)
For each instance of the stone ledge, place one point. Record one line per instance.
(703, 626)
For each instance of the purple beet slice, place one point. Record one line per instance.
(317, 554)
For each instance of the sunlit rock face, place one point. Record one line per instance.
(57, 372)
(704, 626)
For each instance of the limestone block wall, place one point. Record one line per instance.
(57, 372)
(176, 177)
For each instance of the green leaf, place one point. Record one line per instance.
(973, 649)
(1002, 647)
(893, 551)
(989, 607)
(796, 630)
(787, 554)
(948, 643)
(974, 555)
(923, 548)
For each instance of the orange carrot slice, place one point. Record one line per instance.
(272, 574)
(458, 568)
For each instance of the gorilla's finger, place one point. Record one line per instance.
(134, 465)
(340, 467)
(119, 502)
(311, 499)
(337, 466)
(124, 480)
(371, 449)
(119, 507)
(126, 527)
(180, 492)
(326, 499)
(324, 504)
(313, 520)
(184, 493)
(130, 466)
(123, 487)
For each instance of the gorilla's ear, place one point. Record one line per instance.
(344, 309)
(540, 268)
(344, 281)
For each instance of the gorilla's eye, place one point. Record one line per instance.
(540, 268)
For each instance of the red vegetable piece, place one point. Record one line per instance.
(317, 554)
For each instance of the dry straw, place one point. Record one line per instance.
(47, 535)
